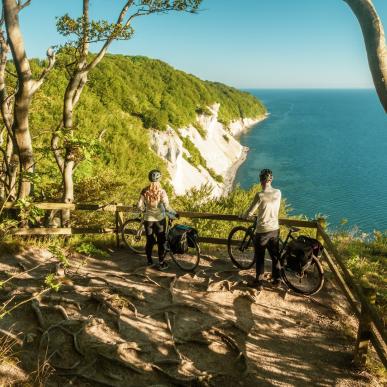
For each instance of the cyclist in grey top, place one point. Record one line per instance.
(154, 203)
(266, 204)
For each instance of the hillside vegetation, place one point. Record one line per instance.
(124, 98)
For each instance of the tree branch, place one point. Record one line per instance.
(51, 61)
(23, 5)
(109, 40)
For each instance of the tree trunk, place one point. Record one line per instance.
(20, 126)
(375, 43)
(71, 98)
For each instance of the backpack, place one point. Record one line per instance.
(299, 252)
(181, 237)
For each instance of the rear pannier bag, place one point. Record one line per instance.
(181, 237)
(313, 243)
(299, 252)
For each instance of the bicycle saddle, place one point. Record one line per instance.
(294, 229)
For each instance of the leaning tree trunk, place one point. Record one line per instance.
(20, 126)
(375, 43)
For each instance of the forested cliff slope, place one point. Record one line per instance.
(131, 108)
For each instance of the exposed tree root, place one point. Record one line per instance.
(146, 277)
(170, 328)
(35, 304)
(219, 286)
(61, 367)
(122, 363)
(55, 298)
(12, 336)
(171, 288)
(180, 381)
(232, 344)
(91, 379)
(176, 305)
(106, 302)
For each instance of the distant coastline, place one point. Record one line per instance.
(229, 178)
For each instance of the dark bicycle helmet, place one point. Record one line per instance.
(154, 175)
(265, 174)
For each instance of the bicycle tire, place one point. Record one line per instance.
(309, 282)
(189, 260)
(128, 234)
(241, 254)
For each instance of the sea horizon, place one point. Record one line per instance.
(319, 148)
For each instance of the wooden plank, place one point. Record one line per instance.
(62, 231)
(42, 231)
(92, 230)
(351, 282)
(45, 206)
(379, 345)
(69, 206)
(134, 209)
(364, 330)
(298, 223)
(216, 241)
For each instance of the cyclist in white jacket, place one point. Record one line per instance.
(266, 205)
(154, 203)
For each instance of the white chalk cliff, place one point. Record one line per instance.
(222, 152)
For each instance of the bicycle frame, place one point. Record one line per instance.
(250, 234)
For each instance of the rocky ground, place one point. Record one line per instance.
(115, 322)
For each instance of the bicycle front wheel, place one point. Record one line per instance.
(133, 235)
(189, 260)
(308, 281)
(240, 247)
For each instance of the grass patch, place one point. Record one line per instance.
(365, 255)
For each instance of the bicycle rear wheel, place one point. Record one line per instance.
(240, 247)
(133, 235)
(189, 260)
(309, 281)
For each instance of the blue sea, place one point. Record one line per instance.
(328, 153)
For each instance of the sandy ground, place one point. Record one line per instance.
(115, 322)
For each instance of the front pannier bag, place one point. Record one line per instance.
(181, 237)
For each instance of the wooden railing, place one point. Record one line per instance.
(371, 326)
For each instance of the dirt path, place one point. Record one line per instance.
(115, 322)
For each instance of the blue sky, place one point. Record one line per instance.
(244, 43)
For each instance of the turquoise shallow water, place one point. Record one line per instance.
(328, 152)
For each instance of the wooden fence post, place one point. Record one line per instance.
(323, 223)
(119, 223)
(364, 331)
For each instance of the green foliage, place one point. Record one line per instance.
(52, 282)
(57, 251)
(89, 248)
(28, 212)
(98, 30)
(195, 157)
(6, 225)
(365, 254)
(215, 176)
(203, 110)
(200, 129)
